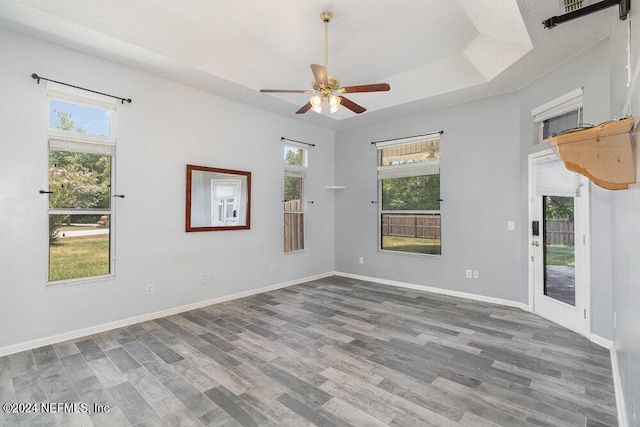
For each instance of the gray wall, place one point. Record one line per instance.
(484, 185)
(485, 151)
(165, 128)
(480, 175)
(485, 148)
(626, 227)
(589, 70)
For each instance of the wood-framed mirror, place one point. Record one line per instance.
(217, 199)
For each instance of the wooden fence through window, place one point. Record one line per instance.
(293, 226)
(559, 232)
(421, 226)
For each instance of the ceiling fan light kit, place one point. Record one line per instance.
(325, 85)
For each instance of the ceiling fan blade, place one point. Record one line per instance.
(358, 109)
(320, 74)
(376, 87)
(284, 91)
(306, 107)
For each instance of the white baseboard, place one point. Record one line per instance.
(475, 297)
(79, 333)
(617, 387)
(602, 342)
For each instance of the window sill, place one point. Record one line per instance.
(79, 281)
(301, 251)
(411, 254)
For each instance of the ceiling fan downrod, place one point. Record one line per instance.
(326, 16)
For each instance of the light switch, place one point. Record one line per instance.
(511, 225)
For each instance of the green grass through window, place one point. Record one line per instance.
(83, 256)
(563, 255)
(411, 244)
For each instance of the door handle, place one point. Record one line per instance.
(535, 243)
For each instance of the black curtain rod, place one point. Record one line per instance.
(282, 138)
(38, 78)
(406, 137)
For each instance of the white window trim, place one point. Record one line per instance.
(95, 144)
(292, 170)
(58, 92)
(411, 139)
(305, 155)
(299, 172)
(563, 104)
(80, 145)
(296, 144)
(69, 137)
(402, 171)
(73, 95)
(571, 101)
(409, 169)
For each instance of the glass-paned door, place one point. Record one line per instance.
(559, 245)
(559, 248)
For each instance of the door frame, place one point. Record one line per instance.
(585, 191)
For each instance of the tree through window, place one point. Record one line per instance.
(409, 195)
(295, 171)
(80, 211)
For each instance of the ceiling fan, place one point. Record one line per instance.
(325, 86)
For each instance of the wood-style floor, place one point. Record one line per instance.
(330, 352)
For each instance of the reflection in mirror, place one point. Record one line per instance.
(217, 199)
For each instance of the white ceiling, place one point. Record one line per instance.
(431, 52)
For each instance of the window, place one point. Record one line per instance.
(409, 195)
(295, 172)
(81, 159)
(556, 116)
(225, 201)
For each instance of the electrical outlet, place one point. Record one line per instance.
(468, 274)
(361, 260)
(149, 288)
(476, 274)
(272, 267)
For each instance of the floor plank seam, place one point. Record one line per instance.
(332, 351)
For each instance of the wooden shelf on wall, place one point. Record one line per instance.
(604, 153)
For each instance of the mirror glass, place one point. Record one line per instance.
(217, 199)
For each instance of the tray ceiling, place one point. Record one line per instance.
(431, 52)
